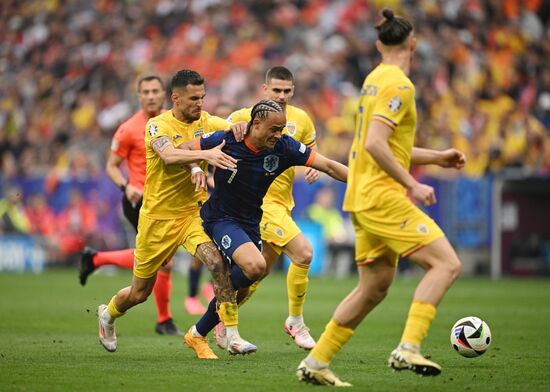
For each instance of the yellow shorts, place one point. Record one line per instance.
(158, 240)
(277, 227)
(399, 229)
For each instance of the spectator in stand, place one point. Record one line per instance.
(324, 212)
(76, 225)
(64, 78)
(12, 215)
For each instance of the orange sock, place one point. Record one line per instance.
(121, 258)
(162, 291)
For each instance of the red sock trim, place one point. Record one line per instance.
(121, 258)
(162, 291)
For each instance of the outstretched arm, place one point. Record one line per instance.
(332, 168)
(446, 158)
(186, 154)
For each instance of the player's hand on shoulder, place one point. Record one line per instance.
(238, 129)
(311, 175)
(423, 193)
(216, 157)
(452, 158)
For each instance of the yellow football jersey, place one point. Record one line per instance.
(301, 128)
(388, 96)
(168, 191)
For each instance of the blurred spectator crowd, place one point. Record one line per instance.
(68, 72)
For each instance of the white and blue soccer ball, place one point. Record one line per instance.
(470, 337)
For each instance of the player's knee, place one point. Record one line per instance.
(305, 256)
(140, 296)
(375, 295)
(255, 269)
(455, 269)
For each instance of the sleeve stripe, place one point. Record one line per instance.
(309, 161)
(198, 143)
(312, 144)
(384, 119)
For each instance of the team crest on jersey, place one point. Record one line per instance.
(114, 145)
(291, 128)
(394, 104)
(271, 163)
(207, 135)
(226, 241)
(153, 129)
(422, 228)
(198, 132)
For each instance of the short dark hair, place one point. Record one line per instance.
(393, 30)
(186, 76)
(279, 72)
(262, 109)
(148, 79)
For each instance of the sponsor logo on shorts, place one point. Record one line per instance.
(422, 228)
(404, 224)
(226, 241)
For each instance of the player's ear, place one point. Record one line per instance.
(412, 44)
(255, 123)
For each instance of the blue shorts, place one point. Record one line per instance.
(228, 235)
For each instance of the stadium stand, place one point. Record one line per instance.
(68, 72)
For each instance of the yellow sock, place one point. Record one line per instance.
(251, 291)
(330, 342)
(296, 283)
(229, 314)
(421, 315)
(113, 311)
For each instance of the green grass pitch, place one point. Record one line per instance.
(48, 339)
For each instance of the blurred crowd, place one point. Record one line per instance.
(68, 72)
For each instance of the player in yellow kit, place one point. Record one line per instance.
(278, 230)
(172, 196)
(387, 224)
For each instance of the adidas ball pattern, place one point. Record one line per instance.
(470, 337)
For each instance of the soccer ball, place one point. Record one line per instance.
(470, 337)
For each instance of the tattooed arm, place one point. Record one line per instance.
(171, 155)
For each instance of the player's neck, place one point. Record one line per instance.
(401, 59)
(151, 114)
(253, 143)
(179, 116)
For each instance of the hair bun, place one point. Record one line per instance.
(388, 14)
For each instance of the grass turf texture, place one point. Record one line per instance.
(48, 339)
